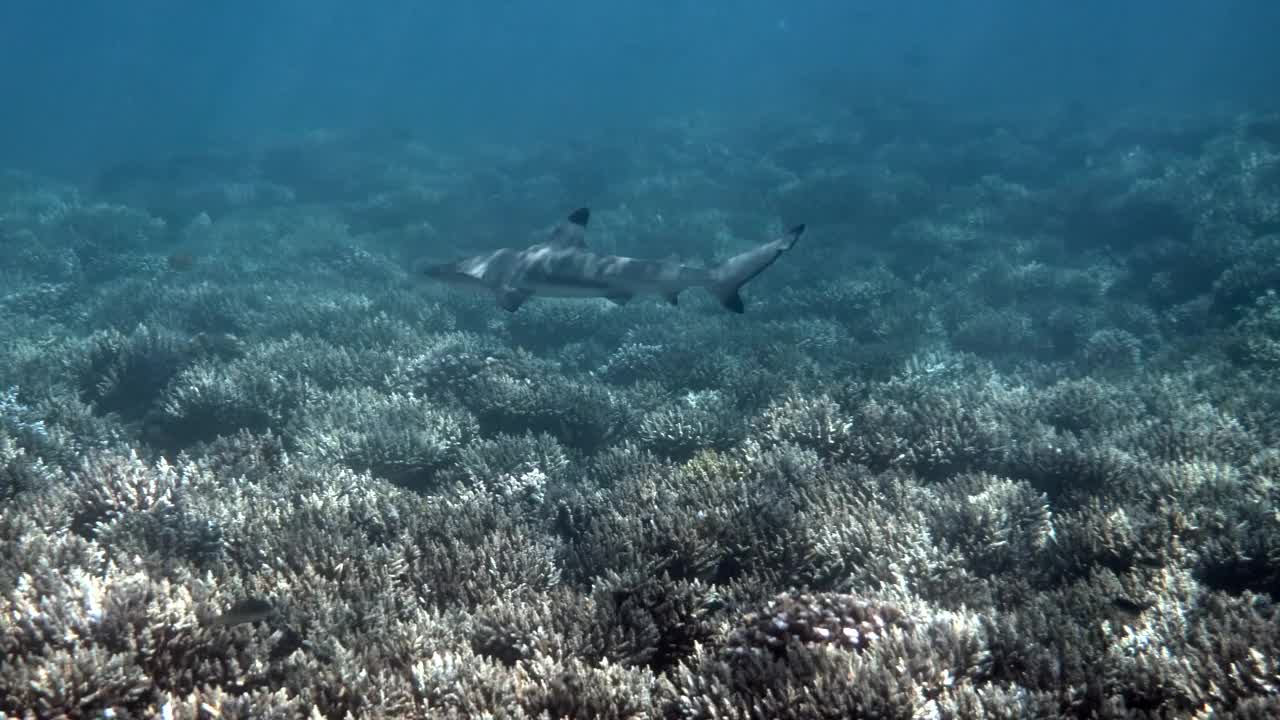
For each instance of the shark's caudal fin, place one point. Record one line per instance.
(729, 277)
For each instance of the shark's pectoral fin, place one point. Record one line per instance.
(619, 299)
(510, 299)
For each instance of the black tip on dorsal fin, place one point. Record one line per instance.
(572, 231)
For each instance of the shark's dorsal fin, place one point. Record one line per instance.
(572, 231)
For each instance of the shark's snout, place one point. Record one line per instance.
(437, 271)
(429, 269)
(464, 272)
(441, 271)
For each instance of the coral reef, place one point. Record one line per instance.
(1000, 442)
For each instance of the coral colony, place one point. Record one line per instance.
(997, 439)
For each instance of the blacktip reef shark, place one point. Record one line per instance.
(563, 266)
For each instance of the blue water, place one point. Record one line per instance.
(88, 83)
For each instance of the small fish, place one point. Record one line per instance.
(181, 261)
(1129, 608)
(248, 610)
(1122, 611)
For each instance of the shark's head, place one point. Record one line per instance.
(450, 272)
(478, 271)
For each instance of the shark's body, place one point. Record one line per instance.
(564, 267)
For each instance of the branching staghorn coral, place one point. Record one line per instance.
(695, 422)
(815, 510)
(402, 438)
(889, 663)
(209, 399)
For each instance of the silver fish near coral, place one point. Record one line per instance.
(247, 610)
(564, 267)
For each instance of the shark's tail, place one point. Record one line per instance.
(728, 277)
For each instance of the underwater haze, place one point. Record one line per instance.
(95, 82)
(677, 360)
